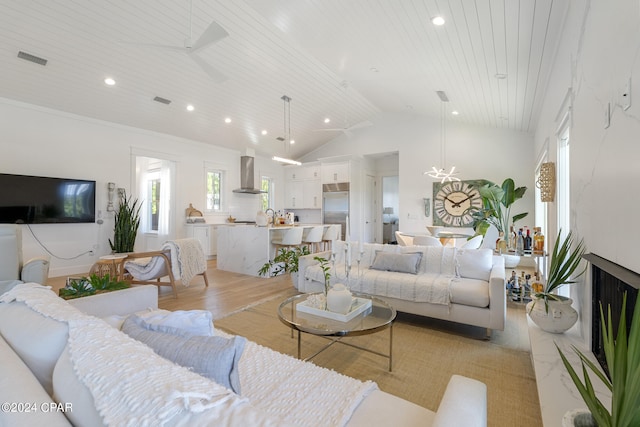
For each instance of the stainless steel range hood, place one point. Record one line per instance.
(246, 177)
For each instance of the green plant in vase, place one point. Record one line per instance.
(496, 207)
(286, 261)
(326, 271)
(125, 229)
(623, 360)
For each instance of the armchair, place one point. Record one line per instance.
(12, 269)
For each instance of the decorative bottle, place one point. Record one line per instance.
(528, 241)
(520, 243)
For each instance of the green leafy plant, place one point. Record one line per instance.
(85, 286)
(565, 260)
(324, 264)
(286, 261)
(127, 221)
(623, 360)
(496, 206)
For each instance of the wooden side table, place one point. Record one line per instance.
(113, 265)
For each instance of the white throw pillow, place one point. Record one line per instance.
(180, 322)
(475, 263)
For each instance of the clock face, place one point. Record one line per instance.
(454, 202)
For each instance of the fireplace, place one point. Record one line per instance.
(609, 282)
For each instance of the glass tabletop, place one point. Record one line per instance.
(379, 317)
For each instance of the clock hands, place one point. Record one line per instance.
(455, 204)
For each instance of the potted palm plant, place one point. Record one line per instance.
(623, 360)
(552, 312)
(125, 229)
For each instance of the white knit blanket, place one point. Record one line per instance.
(300, 393)
(187, 259)
(130, 384)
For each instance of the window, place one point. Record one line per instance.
(564, 205)
(214, 185)
(154, 203)
(266, 184)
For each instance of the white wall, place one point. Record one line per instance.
(599, 52)
(44, 142)
(477, 152)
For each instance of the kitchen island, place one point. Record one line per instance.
(245, 248)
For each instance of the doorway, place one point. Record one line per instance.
(390, 207)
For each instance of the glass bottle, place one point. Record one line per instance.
(520, 243)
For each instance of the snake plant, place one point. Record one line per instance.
(623, 360)
(127, 221)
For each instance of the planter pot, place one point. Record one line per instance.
(578, 418)
(339, 299)
(560, 317)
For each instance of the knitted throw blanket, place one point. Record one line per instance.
(187, 259)
(130, 384)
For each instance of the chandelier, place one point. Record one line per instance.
(441, 173)
(287, 132)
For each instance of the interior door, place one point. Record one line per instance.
(370, 209)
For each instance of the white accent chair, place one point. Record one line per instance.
(426, 241)
(490, 237)
(12, 270)
(331, 233)
(403, 239)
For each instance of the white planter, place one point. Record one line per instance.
(560, 317)
(339, 299)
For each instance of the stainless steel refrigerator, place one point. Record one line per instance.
(335, 205)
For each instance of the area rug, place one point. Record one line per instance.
(424, 358)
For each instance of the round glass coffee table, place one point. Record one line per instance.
(378, 317)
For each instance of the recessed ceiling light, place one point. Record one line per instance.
(327, 120)
(293, 141)
(190, 107)
(109, 81)
(455, 113)
(501, 76)
(227, 120)
(437, 20)
(264, 132)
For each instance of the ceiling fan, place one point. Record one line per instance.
(346, 129)
(213, 34)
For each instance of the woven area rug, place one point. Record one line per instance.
(425, 355)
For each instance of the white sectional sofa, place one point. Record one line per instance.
(80, 370)
(464, 286)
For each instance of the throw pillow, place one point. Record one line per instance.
(401, 263)
(216, 358)
(185, 323)
(475, 263)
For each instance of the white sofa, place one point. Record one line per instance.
(474, 293)
(40, 375)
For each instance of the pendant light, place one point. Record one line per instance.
(286, 101)
(440, 173)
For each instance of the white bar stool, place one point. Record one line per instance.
(313, 237)
(330, 234)
(290, 237)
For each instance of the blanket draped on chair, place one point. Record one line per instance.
(187, 259)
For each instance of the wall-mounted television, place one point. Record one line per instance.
(28, 199)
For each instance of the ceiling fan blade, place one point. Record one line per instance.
(212, 34)
(157, 46)
(215, 75)
(360, 125)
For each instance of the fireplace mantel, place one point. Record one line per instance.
(625, 275)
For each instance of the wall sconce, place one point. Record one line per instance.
(427, 207)
(547, 182)
(111, 187)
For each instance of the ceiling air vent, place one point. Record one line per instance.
(32, 58)
(162, 100)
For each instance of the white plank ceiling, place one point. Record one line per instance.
(392, 58)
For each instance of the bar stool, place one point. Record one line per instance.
(330, 234)
(290, 237)
(313, 237)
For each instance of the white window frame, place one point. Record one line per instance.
(563, 195)
(270, 192)
(222, 173)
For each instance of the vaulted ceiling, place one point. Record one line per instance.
(348, 60)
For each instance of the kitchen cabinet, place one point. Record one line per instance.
(312, 194)
(205, 234)
(303, 189)
(335, 172)
(294, 194)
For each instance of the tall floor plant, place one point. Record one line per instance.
(127, 221)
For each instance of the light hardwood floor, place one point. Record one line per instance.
(227, 292)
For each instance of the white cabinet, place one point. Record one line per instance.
(206, 235)
(303, 188)
(335, 172)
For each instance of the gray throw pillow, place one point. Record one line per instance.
(214, 357)
(401, 263)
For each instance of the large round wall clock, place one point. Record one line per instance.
(454, 202)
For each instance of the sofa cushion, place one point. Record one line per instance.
(475, 263)
(401, 263)
(37, 339)
(472, 292)
(213, 357)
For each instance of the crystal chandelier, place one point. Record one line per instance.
(440, 173)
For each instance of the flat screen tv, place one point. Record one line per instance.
(40, 200)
